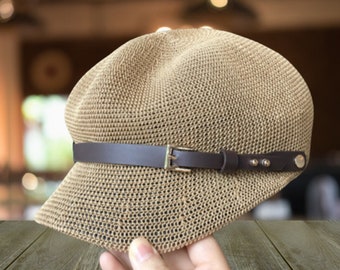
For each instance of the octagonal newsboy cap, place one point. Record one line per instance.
(176, 134)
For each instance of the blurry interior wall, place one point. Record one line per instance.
(11, 127)
(10, 101)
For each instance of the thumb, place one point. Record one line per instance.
(143, 256)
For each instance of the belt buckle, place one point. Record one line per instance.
(169, 157)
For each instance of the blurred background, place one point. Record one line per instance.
(47, 45)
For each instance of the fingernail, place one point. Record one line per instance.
(141, 249)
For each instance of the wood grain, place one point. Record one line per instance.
(53, 250)
(306, 245)
(246, 247)
(15, 238)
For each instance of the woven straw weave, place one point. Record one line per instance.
(201, 88)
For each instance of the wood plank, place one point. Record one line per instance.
(306, 245)
(246, 247)
(54, 250)
(15, 238)
(246, 244)
(328, 231)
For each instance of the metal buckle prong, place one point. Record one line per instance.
(169, 157)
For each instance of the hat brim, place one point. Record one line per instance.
(110, 205)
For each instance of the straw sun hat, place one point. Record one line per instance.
(243, 110)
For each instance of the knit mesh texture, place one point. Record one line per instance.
(200, 88)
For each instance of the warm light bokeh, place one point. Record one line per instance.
(219, 3)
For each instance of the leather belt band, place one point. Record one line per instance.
(183, 159)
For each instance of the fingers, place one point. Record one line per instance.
(123, 258)
(204, 254)
(143, 256)
(108, 262)
(178, 259)
(207, 252)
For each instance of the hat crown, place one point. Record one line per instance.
(201, 88)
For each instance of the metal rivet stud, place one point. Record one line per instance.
(253, 162)
(300, 161)
(265, 162)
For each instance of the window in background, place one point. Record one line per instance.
(47, 143)
(47, 149)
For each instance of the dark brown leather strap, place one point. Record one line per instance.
(184, 159)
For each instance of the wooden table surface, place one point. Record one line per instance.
(246, 244)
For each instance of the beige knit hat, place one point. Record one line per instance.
(244, 110)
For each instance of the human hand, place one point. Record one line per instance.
(204, 254)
